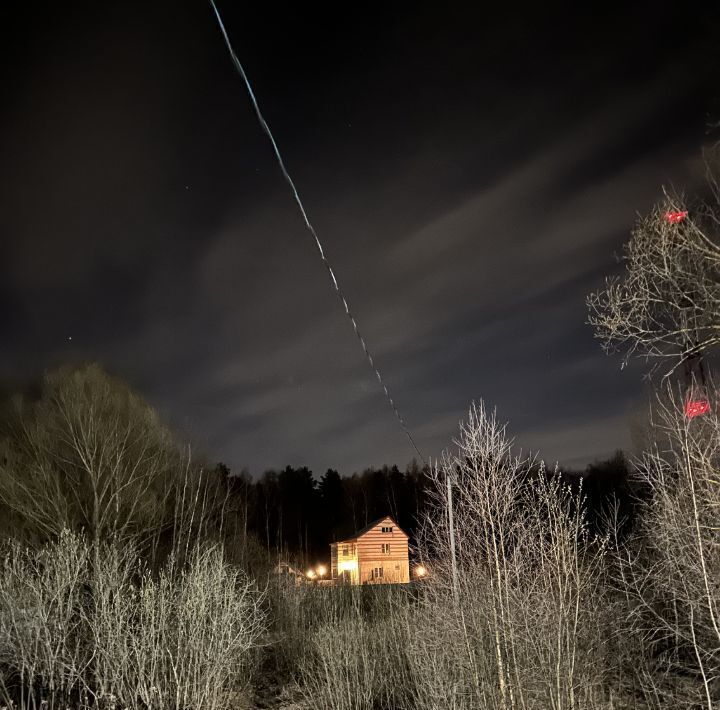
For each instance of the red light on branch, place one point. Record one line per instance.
(675, 217)
(696, 408)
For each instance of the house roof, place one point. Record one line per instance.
(369, 527)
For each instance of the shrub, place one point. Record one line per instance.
(91, 628)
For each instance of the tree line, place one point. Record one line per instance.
(84, 452)
(296, 516)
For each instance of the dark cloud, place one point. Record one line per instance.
(471, 174)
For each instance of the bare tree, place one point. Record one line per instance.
(666, 305)
(91, 454)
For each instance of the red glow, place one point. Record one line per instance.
(675, 217)
(696, 407)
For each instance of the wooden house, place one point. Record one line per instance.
(377, 554)
(284, 570)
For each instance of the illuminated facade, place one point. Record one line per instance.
(377, 554)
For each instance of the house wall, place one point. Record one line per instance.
(344, 562)
(333, 561)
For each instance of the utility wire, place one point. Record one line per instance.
(311, 229)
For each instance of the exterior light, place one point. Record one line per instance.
(697, 402)
(696, 408)
(321, 570)
(310, 574)
(420, 571)
(675, 217)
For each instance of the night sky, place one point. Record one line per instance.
(472, 173)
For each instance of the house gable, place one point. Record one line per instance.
(385, 521)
